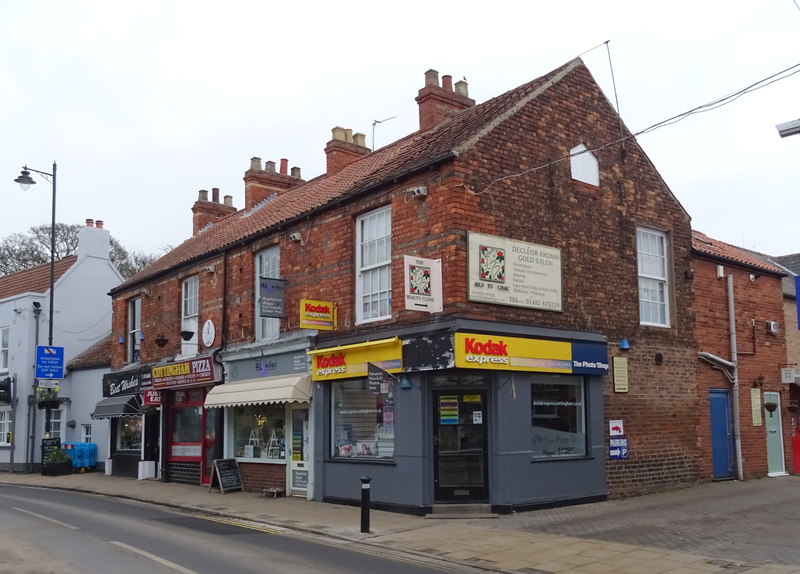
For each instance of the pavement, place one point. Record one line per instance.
(726, 527)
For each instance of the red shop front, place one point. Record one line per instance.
(190, 431)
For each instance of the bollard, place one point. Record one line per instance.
(365, 480)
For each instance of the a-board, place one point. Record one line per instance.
(225, 475)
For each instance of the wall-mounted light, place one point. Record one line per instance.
(758, 382)
(121, 340)
(624, 345)
(295, 237)
(140, 336)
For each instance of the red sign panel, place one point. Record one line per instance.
(152, 397)
(184, 373)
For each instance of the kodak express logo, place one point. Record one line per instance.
(331, 364)
(485, 351)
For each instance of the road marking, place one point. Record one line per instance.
(153, 557)
(53, 520)
(238, 523)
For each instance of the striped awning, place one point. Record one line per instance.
(120, 406)
(291, 389)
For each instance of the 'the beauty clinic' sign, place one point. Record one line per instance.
(508, 272)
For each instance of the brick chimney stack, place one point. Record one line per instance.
(437, 104)
(205, 211)
(260, 183)
(344, 148)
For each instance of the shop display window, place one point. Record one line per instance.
(187, 423)
(258, 432)
(129, 434)
(362, 420)
(558, 417)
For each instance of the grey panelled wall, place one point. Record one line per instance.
(514, 479)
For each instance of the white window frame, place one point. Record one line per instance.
(86, 433)
(584, 165)
(5, 335)
(374, 266)
(134, 329)
(268, 264)
(56, 424)
(6, 426)
(653, 269)
(190, 313)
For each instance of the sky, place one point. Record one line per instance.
(143, 104)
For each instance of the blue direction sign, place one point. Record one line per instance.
(618, 448)
(49, 362)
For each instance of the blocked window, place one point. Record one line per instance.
(651, 256)
(373, 265)
(584, 165)
(134, 329)
(189, 319)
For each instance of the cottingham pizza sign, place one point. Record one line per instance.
(195, 371)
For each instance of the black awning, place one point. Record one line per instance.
(114, 407)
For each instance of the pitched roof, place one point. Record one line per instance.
(704, 244)
(405, 156)
(98, 355)
(34, 280)
(791, 262)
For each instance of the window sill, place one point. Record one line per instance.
(261, 460)
(362, 459)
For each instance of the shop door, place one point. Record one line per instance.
(460, 445)
(721, 443)
(209, 443)
(300, 459)
(773, 426)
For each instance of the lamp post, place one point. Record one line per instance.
(25, 181)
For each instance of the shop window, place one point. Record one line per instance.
(258, 432)
(189, 316)
(6, 427)
(186, 427)
(373, 265)
(129, 434)
(362, 419)
(268, 265)
(651, 255)
(558, 417)
(3, 349)
(134, 329)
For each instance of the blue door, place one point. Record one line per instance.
(721, 436)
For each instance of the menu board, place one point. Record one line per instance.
(225, 475)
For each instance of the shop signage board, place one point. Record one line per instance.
(225, 475)
(348, 361)
(320, 315)
(183, 373)
(498, 352)
(271, 297)
(423, 284)
(618, 448)
(49, 362)
(152, 397)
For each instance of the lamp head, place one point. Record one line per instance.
(25, 180)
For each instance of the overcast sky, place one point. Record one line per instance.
(142, 104)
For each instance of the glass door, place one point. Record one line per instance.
(300, 459)
(460, 445)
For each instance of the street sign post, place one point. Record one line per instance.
(49, 362)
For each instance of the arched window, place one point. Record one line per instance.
(584, 165)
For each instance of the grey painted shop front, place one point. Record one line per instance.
(475, 412)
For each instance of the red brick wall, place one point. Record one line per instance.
(256, 477)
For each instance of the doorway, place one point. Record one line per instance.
(460, 445)
(773, 427)
(300, 459)
(721, 439)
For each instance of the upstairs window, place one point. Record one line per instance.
(3, 349)
(189, 318)
(268, 266)
(373, 266)
(134, 329)
(651, 255)
(584, 165)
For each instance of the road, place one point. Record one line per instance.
(70, 533)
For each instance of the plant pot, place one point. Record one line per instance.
(58, 468)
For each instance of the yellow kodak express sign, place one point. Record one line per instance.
(319, 315)
(512, 354)
(350, 361)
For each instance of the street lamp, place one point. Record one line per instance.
(25, 181)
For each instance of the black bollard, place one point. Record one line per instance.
(365, 480)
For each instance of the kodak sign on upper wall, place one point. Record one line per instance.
(319, 315)
(497, 352)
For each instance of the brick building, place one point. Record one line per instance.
(494, 309)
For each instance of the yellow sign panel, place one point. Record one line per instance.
(320, 315)
(497, 352)
(350, 361)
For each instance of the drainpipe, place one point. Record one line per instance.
(32, 407)
(737, 434)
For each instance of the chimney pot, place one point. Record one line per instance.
(432, 78)
(215, 194)
(338, 133)
(99, 224)
(348, 135)
(269, 166)
(228, 200)
(90, 223)
(255, 163)
(462, 88)
(202, 195)
(360, 139)
(447, 83)
(296, 172)
(284, 166)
